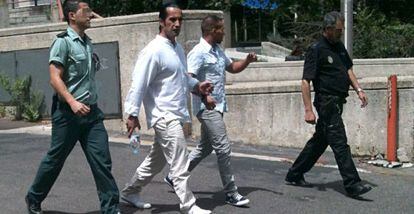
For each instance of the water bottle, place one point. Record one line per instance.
(134, 143)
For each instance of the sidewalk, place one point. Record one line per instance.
(6, 124)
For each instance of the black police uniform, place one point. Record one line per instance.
(327, 65)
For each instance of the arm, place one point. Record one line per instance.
(208, 100)
(195, 61)
(56, 73)
(306, 96)
(144, 72)
(361, 94)
(239, 66)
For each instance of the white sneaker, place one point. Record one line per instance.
(197, 210)
(135, 200)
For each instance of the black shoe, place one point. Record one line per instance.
(33, 208)
(300, 181)
(358, 189)
(169, 182)
(236, 199)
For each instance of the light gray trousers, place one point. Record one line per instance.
(214, 136)
(169, 147)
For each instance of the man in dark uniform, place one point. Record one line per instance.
(329, 67)
(75, 114)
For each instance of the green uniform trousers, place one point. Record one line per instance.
(89, 130)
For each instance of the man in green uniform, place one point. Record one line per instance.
(75, 114)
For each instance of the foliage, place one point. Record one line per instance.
(28, 103)
(2, 111)
(382, 28)
(31, 110)
(378, 37)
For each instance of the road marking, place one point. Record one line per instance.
(46, 130)
(241, 155)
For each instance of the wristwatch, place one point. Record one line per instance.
(359, 90)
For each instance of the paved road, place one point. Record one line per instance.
(260, 179)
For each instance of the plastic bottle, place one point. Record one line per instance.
(134, 143)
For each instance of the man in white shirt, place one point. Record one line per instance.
(207, 61)
(161, 82)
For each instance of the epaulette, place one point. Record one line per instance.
(63, 34)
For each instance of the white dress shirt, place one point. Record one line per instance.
(209, 63)
(161, 82)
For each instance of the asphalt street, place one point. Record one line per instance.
(258, 176)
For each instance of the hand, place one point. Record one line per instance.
(205, 88)
(209, 102)
(364, 99)
(79, 108)
(251, 57)
(310, 117)
(132, 123)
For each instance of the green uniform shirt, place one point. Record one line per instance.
(75, 55)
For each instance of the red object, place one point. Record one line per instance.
(392, 109)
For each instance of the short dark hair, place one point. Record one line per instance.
(330, 19)
(163, 9)
(210, 23)
(70, 6)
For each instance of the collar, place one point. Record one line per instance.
(205, 45)
(165, 40)
(329, 44)
(73, 35)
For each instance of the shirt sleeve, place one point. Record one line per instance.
(192, 82)
(348, 60)
(311, 64)
(195, 62)
(146, 68)
(227, 60)
(58, 51)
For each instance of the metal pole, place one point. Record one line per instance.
(392, 121)
(347, 11)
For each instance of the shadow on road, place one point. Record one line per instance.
(338, 187)
(156, 208)
(216, 199)
(58, 212)
(206, 200)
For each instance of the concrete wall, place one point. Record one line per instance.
(4, 14)
(272, 113)
(265, 106)
(274, 50)
(131, 32)
(292, 70)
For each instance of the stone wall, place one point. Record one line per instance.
(265, 106)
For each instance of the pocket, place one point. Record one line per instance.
(79, 60)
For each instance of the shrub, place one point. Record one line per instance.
(377, 37)
(28, 104)
(2, 111)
